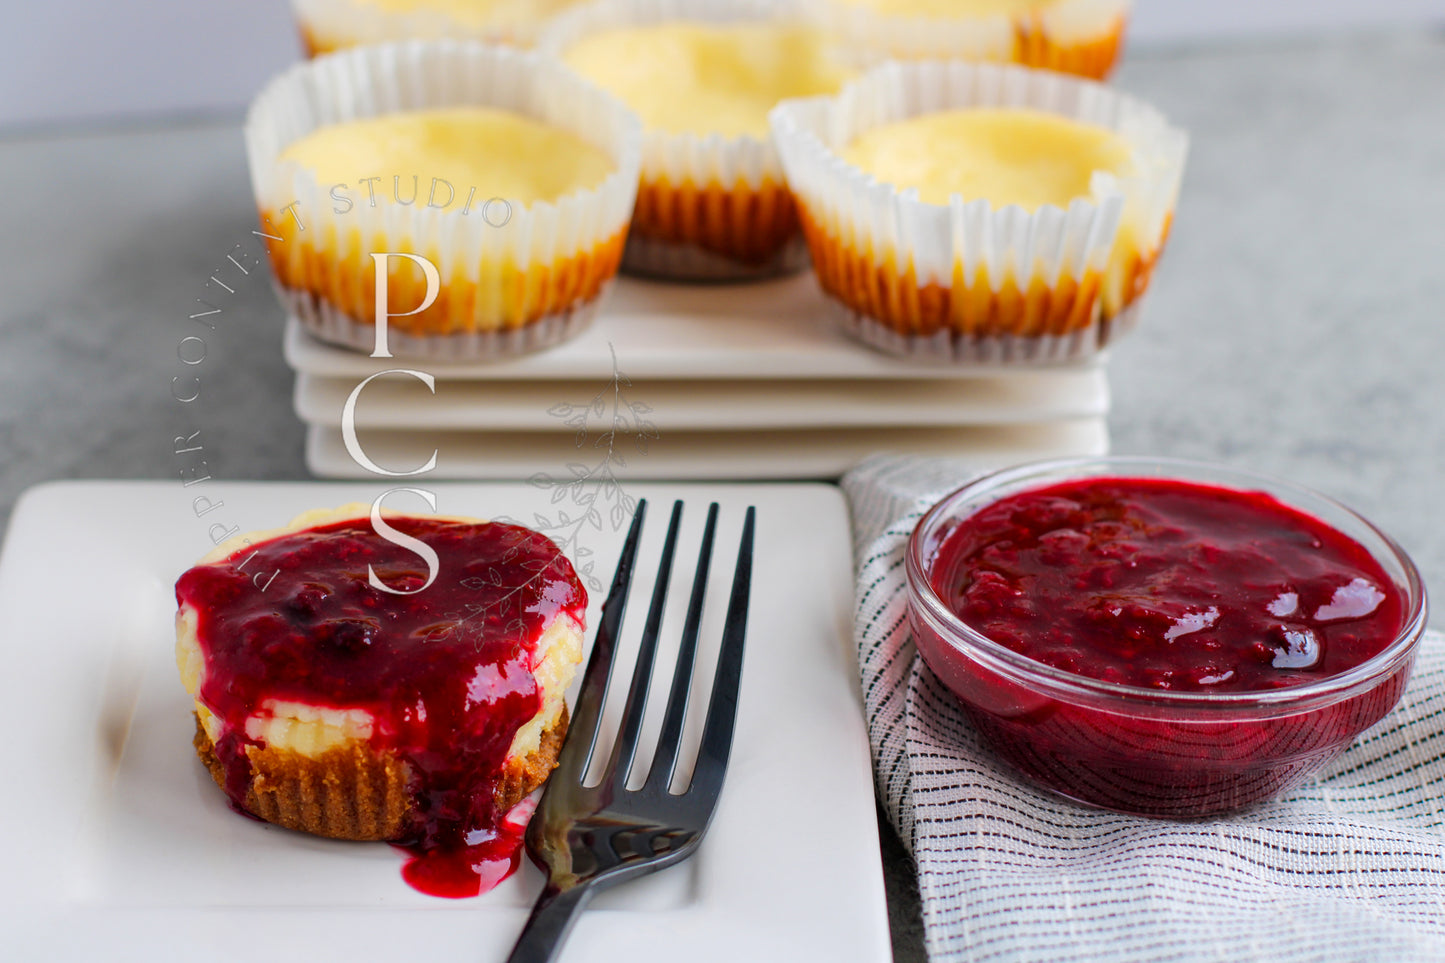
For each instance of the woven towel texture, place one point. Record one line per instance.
(1350, 866)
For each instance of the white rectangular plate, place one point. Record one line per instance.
(405, 402)
(770, 329)
(121, 848)
(744, 454)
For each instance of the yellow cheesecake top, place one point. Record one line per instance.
(1009, 156)
(953, 8)
(696, 78)
(500, 153)
(478, 13)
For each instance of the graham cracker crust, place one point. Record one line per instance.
(355, 792)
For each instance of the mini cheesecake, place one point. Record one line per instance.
(713, 203)
(979, 213)
(479, 168)
(472, 199)
(420, 715)
(1010, 157)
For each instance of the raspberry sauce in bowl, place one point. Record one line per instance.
(1161, 637)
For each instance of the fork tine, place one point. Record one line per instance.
(626, 746)
(669, 743)
(591, 838)
(722, 707)
(576, 754)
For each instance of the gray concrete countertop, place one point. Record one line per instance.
(1295, 325)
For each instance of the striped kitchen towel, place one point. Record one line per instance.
(1350, 866)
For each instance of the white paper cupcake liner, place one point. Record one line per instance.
(968, 269)
(710, 207)
(953, 347)
(1080, 37)
(502, 269)
(329, 25)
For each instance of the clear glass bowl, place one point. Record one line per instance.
(1148, 751)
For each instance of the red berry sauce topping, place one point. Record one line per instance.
(446, 673)
(1168, 585)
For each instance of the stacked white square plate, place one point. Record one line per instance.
(685, 381)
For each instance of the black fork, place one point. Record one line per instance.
(590, 838)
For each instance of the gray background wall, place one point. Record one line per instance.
(71, 61)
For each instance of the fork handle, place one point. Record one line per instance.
(551, 920)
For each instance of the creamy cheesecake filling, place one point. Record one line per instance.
(1026, 157)
(696, 78)
(497, 152)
